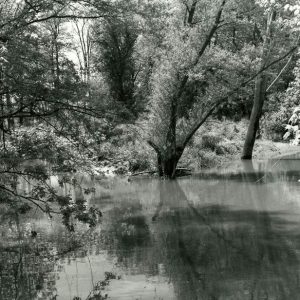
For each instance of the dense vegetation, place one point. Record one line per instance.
(138, 85)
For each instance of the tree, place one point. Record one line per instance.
(39, 84)
(84, 48)
(116, 42)
(190, 81)
(171, 86)
(291, 95)
(260, 90)
(261, 81)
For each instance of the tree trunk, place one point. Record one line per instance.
(167, 163)
(10, 121)
(167, 160)
(260, 91)
(21, 119)
(57, 66)
(159, 165)
(168, 166)
(259, 97)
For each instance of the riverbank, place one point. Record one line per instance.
(266, 149)
(216, 145)
(263, 150)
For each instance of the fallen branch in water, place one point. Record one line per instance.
(144, 172)
(181, 171)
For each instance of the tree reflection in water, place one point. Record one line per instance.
(204, 249)
(26, 268)
(31, 262)
(208, 252)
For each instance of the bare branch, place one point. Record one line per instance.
(283, 69)
(280, 73)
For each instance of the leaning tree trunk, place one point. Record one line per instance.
(259, 98)
(260, 91)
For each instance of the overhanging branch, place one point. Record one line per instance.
(233, 91)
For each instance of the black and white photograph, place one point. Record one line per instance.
(149, 149)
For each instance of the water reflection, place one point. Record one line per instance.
(24, 267)
(211, 251)
(188, 239)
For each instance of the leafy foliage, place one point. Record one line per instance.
(164, 67)
(32, 156)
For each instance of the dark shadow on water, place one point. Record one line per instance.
(24, 268)
(31, 261)
(212, 252)
(204, 250)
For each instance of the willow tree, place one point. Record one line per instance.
(203, 63)
(175, 115)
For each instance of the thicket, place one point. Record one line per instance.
(140, 85)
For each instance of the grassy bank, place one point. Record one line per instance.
(216, 144)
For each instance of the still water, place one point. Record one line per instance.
(226, 234)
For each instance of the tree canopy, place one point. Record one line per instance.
(81, 81)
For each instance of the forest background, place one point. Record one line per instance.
(140, 85)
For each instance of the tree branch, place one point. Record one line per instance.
(236, 89)
(154, 146)
(280, 73)
(30, 199)
(211, 33)
(284, 68)
(204, 45)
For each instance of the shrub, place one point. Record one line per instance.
(42, 142)
(226, 147)
(273, 125)
(128, 157)
(208, 159)
(210, 141)
(140, 162)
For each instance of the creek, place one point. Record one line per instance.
(232, 233)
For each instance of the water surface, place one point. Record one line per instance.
(228, 234)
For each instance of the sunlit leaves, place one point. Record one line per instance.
(292, 8)
(42, 142)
